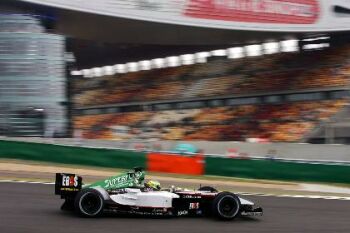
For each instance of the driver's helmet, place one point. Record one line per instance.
(152, 184)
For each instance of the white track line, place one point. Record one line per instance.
(243, 194)
(25, 181)
(297, 196)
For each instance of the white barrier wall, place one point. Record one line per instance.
(255, 15)
(279, 150)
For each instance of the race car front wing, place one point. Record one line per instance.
(251, 211)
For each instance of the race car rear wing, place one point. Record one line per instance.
(67, 184)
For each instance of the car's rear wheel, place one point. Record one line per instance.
(226, 206)
(89, 203)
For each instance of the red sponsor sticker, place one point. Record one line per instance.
(255, 11)
(71, 180)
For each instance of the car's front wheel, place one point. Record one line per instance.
(89, 203)
(226, 206)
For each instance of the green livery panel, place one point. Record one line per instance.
(131, 179)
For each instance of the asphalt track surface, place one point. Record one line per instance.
(33, 208)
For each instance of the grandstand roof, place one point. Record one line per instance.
(83, 25)
(115, 40)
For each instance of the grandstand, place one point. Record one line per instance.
(221, 100)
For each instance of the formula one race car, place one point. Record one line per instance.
(128, 194)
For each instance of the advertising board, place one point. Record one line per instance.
(258, 11)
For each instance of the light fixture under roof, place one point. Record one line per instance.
(86, 73)
(76, 73)
(172, 61)
(235, 52)
(96, 72)
(317, 38)
(187, 59)
(253, 50)
(158, 63)
(219, 53)
(289, 45)
(107, 70)
(145, 65)
(132, 67)
(316, 46)
(201, 57)
(119, 68)
(271, 47)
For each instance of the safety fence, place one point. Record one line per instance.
(190, 164)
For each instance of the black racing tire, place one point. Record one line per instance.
(89, 203)
(226, 206)
(208, 189)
